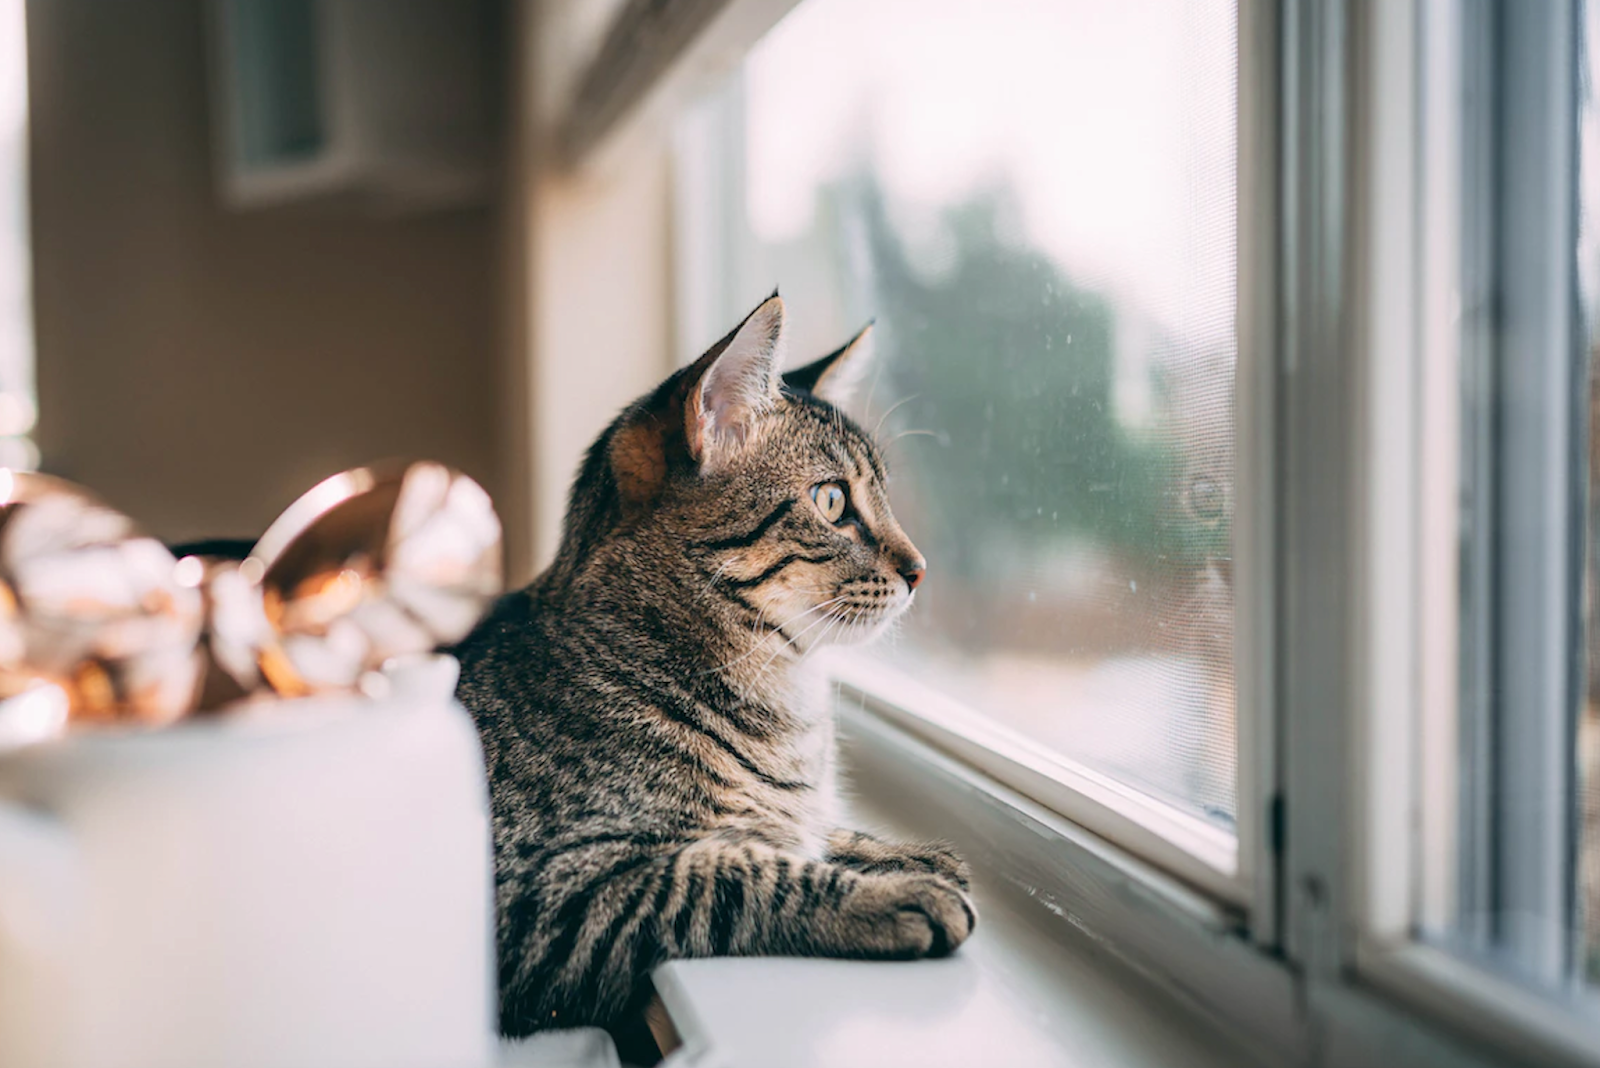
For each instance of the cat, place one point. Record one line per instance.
(660, 749)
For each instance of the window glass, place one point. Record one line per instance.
(1036, 201)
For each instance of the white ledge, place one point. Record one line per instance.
(1009, 996)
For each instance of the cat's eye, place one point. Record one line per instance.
(831, 500)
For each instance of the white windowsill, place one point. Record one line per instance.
(1030, 988)
(1010, 996)
(1007, 997)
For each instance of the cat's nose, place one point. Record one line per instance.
(912, 571)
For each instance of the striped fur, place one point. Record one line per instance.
(660, 752)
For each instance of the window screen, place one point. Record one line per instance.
(1036, 201)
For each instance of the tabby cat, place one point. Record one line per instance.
(660, 752)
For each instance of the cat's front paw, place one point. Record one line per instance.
(871, 856)
(903, 917)
(942, 860)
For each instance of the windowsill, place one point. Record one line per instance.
(1008, 997)
(1029, 988)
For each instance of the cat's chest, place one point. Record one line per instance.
(783, 786)
(802, 812)
(821, 815)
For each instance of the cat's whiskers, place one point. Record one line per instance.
(829, 618)
(828, 634)
(716, 575)
(781, 628)
(794, 642)
(798, 616)
(884, 418)
(910, 434)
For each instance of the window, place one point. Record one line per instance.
(1515, 880)
(1036, 201)
(1485, 904)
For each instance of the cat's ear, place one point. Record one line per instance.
(734, 383)
(704, 410)
(836, 377)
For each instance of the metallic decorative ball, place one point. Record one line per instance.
(100, 624)
(93, 607)
(369, 565)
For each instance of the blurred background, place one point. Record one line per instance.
(263, 248)
(245, 244)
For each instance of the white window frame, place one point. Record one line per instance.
(1308, 949)
(1408, 722)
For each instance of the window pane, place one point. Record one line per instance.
(1036, 201)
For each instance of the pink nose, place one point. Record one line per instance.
(913, 574)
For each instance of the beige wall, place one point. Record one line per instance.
(601, 281)
(200, 368)
(598, 285)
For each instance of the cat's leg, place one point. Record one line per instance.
(583, 957)
(862, 852)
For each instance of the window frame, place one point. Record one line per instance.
(1419, 212)
(1312, 955)
(1518, 95)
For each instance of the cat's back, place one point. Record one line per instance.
(505, 653)
(513, 668)
(546, 693)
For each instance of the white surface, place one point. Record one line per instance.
(304, 884)
(581, 1047)
(1005, 998)
(1025, 990)
(1014, 994)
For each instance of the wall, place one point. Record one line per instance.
(598, 268)
(600, 279)
(201, 368)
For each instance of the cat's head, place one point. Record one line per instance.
(750, 492)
